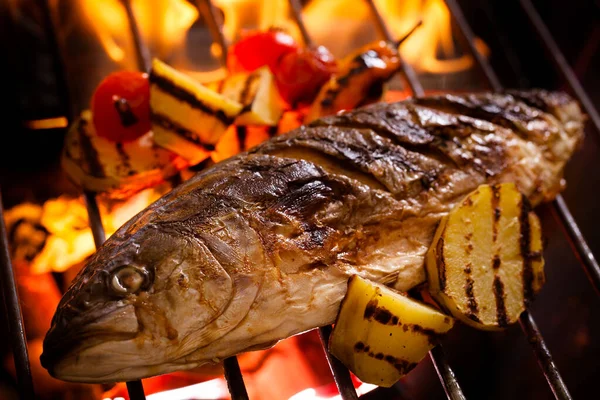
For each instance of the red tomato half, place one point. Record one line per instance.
(300, 75)
(121, 106)
(257, 49)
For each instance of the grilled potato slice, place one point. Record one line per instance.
(119, 169)
(485, 263)
(257, 93)
(380, 335)
(187, 117)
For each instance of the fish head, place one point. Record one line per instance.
(132, 308)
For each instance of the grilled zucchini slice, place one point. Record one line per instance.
(380, 335)
(187, 117)
(485, 264)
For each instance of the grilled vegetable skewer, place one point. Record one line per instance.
(360, 78)
(119, 169)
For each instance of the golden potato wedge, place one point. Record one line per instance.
(380, 335)
(485, 263)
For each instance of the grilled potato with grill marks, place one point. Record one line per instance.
(381, 335)
(485, 263)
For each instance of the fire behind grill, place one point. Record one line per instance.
(341, 375)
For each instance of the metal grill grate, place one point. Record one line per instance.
(341, 374)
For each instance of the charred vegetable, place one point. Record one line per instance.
(257, 93)
(381, 335)
(121, 169)
(187, 117)
(485, 263)
(359, 80)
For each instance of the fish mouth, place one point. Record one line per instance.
(83, 349)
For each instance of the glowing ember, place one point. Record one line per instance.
(56, 235)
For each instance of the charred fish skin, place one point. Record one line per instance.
(259, 247)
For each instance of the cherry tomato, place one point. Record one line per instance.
(121, 106)
(300, 75)
(257, 49)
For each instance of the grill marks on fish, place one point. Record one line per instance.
(453, 141)
(505, 110)
(330, 164)
(401, 172)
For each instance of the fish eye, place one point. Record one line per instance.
(129, 279)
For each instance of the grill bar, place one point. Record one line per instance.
(142, 53)
(408, 72)
(95, 220)
(233, 374)
(560, 62)
(438, 358)
(209, 12)
(587, 257)
(544, 357)
(590, 263)
(469, 38)
(235, 381)
(18, 340)
(296, 9)
(445, 373)
(341, 375)
(134, 388)
(528, 325)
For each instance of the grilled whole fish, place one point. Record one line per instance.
(259, 247)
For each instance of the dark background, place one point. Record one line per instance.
(488, 365)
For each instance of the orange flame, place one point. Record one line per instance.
(163, 25)
(341, 25)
